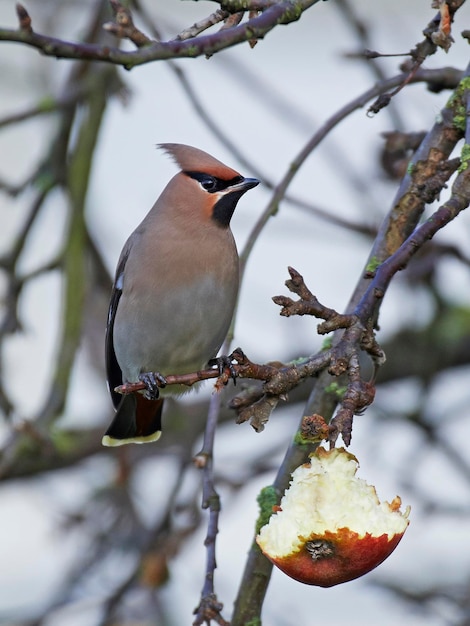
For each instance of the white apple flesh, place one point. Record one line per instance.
(331, 526)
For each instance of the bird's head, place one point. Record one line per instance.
(206, 183)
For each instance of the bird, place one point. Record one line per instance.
(174, 292)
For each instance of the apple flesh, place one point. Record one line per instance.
(331, 527)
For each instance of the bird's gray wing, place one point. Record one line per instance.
(113, 370)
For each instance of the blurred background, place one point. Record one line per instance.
(97, 536)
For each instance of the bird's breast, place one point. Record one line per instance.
(177, 326)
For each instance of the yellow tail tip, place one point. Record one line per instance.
(111, 442)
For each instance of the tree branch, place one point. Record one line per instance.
(282, 12)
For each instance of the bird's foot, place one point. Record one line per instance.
(153, 382)
(222, 363)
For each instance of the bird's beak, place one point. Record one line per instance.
(243, 185)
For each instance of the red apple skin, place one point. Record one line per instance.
(350, 556)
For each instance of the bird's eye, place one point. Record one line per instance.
(209, 183)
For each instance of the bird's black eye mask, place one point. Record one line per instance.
(211, 184)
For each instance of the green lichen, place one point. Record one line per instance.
(48, 103)
(457, 103)
(293, 13)
(193, 51)
(464, 157)
(459, 120)
(372, 265)
(250, 33)
(410, 168)
(299, 440)
(267, 498)
(336, 389)
(327, 343)
(299, 361)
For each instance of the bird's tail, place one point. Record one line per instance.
(137, 420)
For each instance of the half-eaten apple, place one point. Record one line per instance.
(330, 526)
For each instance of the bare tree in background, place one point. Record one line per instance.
(426, 165)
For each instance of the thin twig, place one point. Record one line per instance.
(199, 27)
(209, 608)
(123, 26)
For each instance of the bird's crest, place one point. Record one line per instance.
(194, 160)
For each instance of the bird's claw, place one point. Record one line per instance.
(222, 363)
(153, 381)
